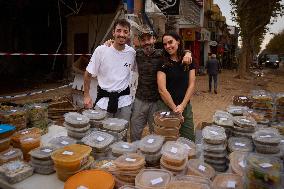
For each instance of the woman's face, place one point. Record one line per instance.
(170, 44)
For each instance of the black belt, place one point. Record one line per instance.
(113, 98)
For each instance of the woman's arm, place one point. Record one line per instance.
(189, 92)
(165, 95)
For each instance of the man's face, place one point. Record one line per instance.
(121, 34)
(147, 42)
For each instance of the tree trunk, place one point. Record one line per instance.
(242, 63)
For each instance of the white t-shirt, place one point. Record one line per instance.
(113, 71)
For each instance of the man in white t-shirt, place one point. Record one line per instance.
(112, 67)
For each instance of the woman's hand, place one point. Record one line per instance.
(187, 59)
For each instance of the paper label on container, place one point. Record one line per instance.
(67, 153)
(111, 123)
(9, 153)
(125, 146)
(82, 187)
(242, 164)
(240, 144)
(223, 118)
(174, 150)
(108, 164)
(245, 120)
(94, 112)
(100, 138)
(37, 106)
(282, 141)
(188, 147)
(25, 132)
(201, 168)
(13, 111)
(64, 142)
(243, 97)
(231, 184)
(163, 113)
(47, 150)
(157, 181)
(265, 165)
(79, 119)
(265, 136)
(214, 132)
(168, 113)
(28, 139)
(150, 141)
(130, 159)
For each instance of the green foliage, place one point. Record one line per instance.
(276, 44)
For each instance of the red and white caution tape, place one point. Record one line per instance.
(42, 54)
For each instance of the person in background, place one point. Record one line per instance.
(176, 83)
(212, 66)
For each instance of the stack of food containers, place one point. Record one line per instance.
(263, 172)
(190, 146)
(224, 119)
(77, 125)
(150, 147)
(100, 142)
(267, 141)
(116, 127)
(5, 132)
(194, 179)
(96, 117)
(61, 141)
(240, 144)
(41, 160)
(71, 159)
(241, 100)
(14, 116)
(167, 124)
(197, 167)
(153, 179)
(120, 148)
(127, 167)
(227, 180)
(237, 162)
(10, 155)
(215, 136)
(174, 157)
(279, 103)
(38, 115)
(27, 140)
(263, 101)
(258, 116)
(244, 126)
(15, 171)
(237, 110)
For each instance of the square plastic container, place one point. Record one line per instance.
(29, 143)
(4, 144)
(42, 153)
(115, 124)
(76, 120)
(121, 147)
(6, 130)
(72, 157)
(227, 181)
(10, 155)
(26, 132)
(174, 151)
(240, 144)
(61, 141)
(198, 168)
(237, 110)
(153, 179)
(214, 134)
(151, 143)
(16, 171)
(223, 119)
(167, 119)
(94, 114)
(98, 140)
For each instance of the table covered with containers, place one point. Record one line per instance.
(243, 149)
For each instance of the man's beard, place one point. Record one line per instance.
(148, 49)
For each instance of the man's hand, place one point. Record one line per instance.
(109, 42)
(187, 59)
(88, 103)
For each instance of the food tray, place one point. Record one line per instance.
(151, 143)
(198, 168)
(237, 110)
(279, 99)
(94, 114)
(167, 119)
(268, 136)
(42, 153)
(72, 157)
(189, 145)
(227, 181)
(98, 140)
(214, 134)
(115, 124)
(76, 120)
(15, 171)
(174, 151)
(61, 141)
(6, 131)
(153, 178)
(128, 162)
(244, 121)
(223, 119)
(10, 155)
(240, 144)
(121, 147)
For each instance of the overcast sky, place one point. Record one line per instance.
(226, 8)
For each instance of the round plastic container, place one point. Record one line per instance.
(214, 148)
(237, 162)
(72, 157)
(237, 110)
(186, 185)
(268, 136)
(76, 135)
(6, 131)
(43, 169)
(244, 121)
(223, 118)
(240, 144)
(173, 166)
(61, 141)
(75, 129)
(10, 155)
(95, 114)
(115, 124)
(151, 143)
(198, 168)
(120, 148)
(76, 120)
(227, 181)
(98, 140)
(214, 134)
(127, 187)
(131, 161)
(100, 180)
(189, 145)
(241, 100)
(174, 152)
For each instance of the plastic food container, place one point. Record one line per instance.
(42, 153)
(4, 144)
(72, 157)
(10, 155)
(189, 145)
(223, 119)
(61, 141)
(237, 110)
(38, 115)
(174, 151)
(14, 116)
(30, 142)
(115, 124)
(128, 187)
(120, 148)
(242, 100)
(98, 140)
(39, 162)
(6, 131)
(261, 95)
(173, 166)
(269, 136)
(186, 185)
(75, 119)
(26, 132)
(240, 144)
(215, 148)
(244, 121)
(266, 149)
(128, 162)
(227, 181)
(198, 168)
(43, 169)
(77, 129)
(15, 171)
(167, 119)
(214, 134)
(279, 99)
(195, 179)
(153, 178)
(237, 162)
(95, 114)
(151, 143)
(76, 135)
(100, 180)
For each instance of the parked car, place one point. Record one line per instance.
(272, 60)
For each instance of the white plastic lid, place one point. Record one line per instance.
(151, 143)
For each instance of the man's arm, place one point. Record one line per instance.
(88, 103)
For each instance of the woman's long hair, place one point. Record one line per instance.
(180, 50)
